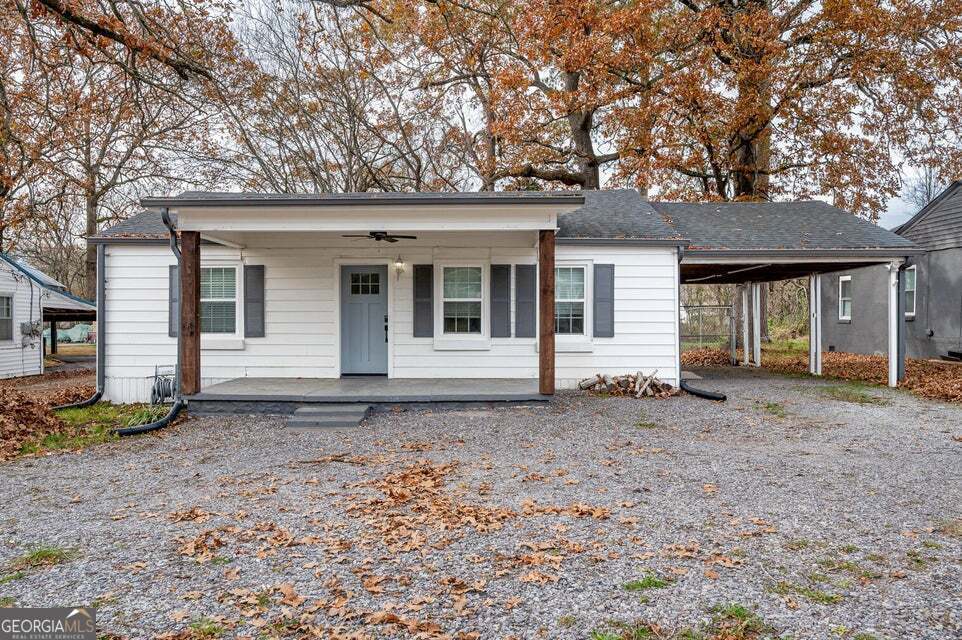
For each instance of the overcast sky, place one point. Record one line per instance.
(898, 212)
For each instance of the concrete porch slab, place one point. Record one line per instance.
(370, 390)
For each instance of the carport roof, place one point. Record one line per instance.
(771, 228)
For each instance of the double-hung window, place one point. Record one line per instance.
(569, 305)
(6, 317)
(218, 300)
(845, 297)
(462, 292)
(910, 275)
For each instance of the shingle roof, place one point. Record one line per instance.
(753, 226)
(146, 225)
(621, 214)
(616, 214)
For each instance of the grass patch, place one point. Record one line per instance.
(776, 409)
(798, 545)
(93, 425)
(785, 588)
(43, 556)
(10, 577)
(736, 622)
(650, 581)
(7, 601)
(645, 424)
(206, 628)
(853, 392)
(952, 528)
(617, 630)
(566, 622)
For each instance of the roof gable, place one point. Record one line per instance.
(938, 225)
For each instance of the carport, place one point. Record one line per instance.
(752, 243)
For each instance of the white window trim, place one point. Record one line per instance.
(850, 298)
(915, 298)
(228, 341)
(13, 316)
(462, 341)
(573, 342)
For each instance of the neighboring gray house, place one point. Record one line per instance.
(856, 301)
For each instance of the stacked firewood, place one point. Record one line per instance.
(636, 385)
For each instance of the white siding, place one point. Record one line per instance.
(302, 319)
(17, 358)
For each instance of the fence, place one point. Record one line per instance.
(707, 326)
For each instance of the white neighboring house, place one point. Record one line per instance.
(28, 297)
(438, 286)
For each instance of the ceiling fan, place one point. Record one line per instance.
(381, 235)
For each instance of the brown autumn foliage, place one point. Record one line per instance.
(926, 378)
(26, 417)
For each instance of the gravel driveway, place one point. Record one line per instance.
(586, 518)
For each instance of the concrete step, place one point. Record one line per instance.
(331, 416)
(332, 409)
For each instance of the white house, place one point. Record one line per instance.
(545, 287)
(28, 297)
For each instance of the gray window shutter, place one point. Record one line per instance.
(501, 301)
(526, 294)
(423, 300)
(173, 304)
(254, 301)
(604, 301)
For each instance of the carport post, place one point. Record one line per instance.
(746, 288)
(757, 323)
(893, 342)
(53, 337)
(815, 324)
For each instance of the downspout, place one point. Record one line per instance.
(101, 341)
(179, 402)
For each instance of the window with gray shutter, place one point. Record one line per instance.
(423, 300)
(604, 300)
(525, 306)
(254, 301)
(501, 301)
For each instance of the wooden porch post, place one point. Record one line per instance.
(546, 381)
(53, 337)
(190, 312)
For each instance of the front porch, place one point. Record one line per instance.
(285, 395)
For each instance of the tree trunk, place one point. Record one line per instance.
(90, 259)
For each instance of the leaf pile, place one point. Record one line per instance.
(925, 378)
(705, 358)
(26, 418)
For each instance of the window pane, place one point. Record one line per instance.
(218, 282)
(462, 282)
(6, 329)
(845, 309)
(910, 302)
(845, 289)
(217, 317)
(6, 307)
(462, 317)
(910, 280)
(569, 283)
(569, 317)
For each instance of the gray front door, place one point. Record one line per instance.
(364, 319)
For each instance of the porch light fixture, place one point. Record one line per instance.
(399, 266)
